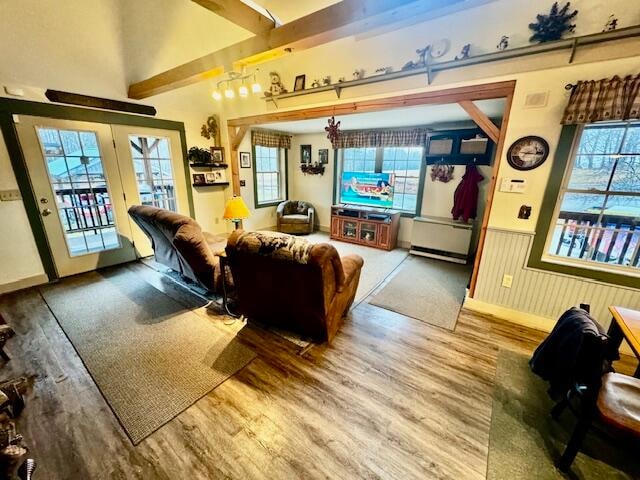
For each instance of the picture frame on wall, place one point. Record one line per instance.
(305, 154)
(323, 156)
(217, 176)
(199, 179)
(217, 155)
(245, 160)
(299, 83)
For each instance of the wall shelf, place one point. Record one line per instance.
(571, 45)
(218, 184)
(208, 165)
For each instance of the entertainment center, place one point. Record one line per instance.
(365, 226)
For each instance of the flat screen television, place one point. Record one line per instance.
(370, 189)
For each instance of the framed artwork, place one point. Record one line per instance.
(528, 153)
(199, 179)
(245, 160)
(217, 176)
(217, 155)
(299, 83)
(323, 156)
(305, 154)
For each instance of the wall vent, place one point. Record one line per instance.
(536, 100)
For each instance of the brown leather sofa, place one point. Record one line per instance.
(295, 216)
(180, 244)
(290, 283)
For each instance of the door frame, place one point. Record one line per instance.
(10, 107)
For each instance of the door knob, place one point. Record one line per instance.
(46, 212)
(44, 200)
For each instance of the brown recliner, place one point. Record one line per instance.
(180, 244)
(295, 216)
(290, 283)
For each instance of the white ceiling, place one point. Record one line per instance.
(401, 117)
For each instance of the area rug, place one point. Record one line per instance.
(426, 289)
(378, 264)
(524, 440)
(150, 356)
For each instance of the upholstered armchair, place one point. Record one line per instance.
(295, 216)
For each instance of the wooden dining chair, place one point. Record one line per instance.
(612, 398)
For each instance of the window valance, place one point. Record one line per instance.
(409, 137)
(607, 99)
(268, 138)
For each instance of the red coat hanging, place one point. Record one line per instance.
(465, 198)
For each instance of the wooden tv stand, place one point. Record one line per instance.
(365, 226)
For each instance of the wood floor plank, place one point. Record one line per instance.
(391, 398)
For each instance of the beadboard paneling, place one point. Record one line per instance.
(546, 294)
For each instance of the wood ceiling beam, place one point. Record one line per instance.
(435, 97)
(479, 117)
(340, 20)
(242, 14)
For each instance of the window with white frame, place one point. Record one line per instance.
(597, 217)
(404, 162)
(269, 177)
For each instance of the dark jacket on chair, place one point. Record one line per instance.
(564, 356)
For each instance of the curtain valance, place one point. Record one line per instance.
(607, 99)
(268, 138)
(410, 137)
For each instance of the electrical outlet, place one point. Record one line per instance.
(507, 280)
(10, 195)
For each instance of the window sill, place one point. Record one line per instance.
(270, 204)
(576, 269)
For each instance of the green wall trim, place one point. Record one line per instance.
(560, 161)
(10, 107)
(335, 174)
(255, 180)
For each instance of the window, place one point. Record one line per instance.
(269, 181)
(404, 162)
(597, 216)
(154, 175)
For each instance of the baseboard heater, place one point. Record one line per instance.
(442, 238)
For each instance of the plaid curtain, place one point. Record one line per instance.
(607, 99)
(268, 138)
(413, 137)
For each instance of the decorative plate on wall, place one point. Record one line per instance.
(528, 153)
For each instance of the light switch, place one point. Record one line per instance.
(507, 280)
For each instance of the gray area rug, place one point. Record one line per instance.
(525, 441)
(150, 356)
(426, 289)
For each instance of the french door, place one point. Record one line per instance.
(84, 186)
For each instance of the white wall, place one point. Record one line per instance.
(316, 189)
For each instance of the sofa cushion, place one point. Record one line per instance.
(295, 219)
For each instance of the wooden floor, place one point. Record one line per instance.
(392, 397)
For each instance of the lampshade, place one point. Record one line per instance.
(235, 209)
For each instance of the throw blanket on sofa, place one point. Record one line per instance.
(283, 247)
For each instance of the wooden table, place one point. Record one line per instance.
(625, 325)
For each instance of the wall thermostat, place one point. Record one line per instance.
(513, 185)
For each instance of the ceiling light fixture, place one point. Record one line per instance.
(243, 90)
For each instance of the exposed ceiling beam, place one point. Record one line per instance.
(246, 15)
(340, 20)
(481, 119)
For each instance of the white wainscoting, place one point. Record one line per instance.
(538, 292)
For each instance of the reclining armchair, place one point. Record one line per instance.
(290, 283)
(295, 216)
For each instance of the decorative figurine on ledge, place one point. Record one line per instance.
(315, 83)
(611, 24)
(464, 53)
(554, 25)
(358, 74)
(504, 43)
(326, 80)
(422, 55)
(276, 87)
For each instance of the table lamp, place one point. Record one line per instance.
(236, 210)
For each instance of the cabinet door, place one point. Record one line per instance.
(335, 227)
(368, 233)
(349, 229)
(384, 235)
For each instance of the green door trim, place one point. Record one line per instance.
(10, 107)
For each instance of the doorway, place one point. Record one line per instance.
(85, 176)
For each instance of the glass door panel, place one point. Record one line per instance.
(368, 232)
(74, 173)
